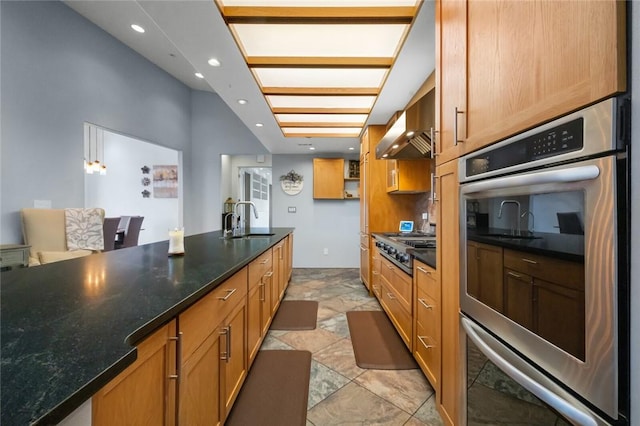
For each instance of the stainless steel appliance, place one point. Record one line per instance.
(398, 247)
(543, 266)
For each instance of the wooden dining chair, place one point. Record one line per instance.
(110, 229)
(133, 231)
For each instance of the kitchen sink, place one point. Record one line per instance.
(251, 235)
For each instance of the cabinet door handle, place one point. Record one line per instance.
(375, 272)
(391, 296)
(455, 127)
(178, 340)
(390, 267)
(513, 274)
(422, 340)
(229, 293)
(425, 304)
(421, 269)
(226, 331)
(533, 262)
(433, 143)
(264, 261)
(262, 292)
(434, 199)
(268, 274)
(363, 249)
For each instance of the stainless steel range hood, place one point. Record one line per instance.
(408, 133)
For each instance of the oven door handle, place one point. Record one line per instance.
(564, 407)
(572, 174)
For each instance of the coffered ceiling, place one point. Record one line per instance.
(300, 74)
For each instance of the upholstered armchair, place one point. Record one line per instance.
(61, 234)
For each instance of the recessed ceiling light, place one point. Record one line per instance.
(242, 101)
(351, 148)
(259, 124)
(395, 145)
(214, 62)
(137, 28)
(385, 155)
(312, 148)
(199, 75)
(410, 133)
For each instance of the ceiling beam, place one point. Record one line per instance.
(321, 91)
(319, 15)
(318, 124)
(317, 62)
(320, 135)
(287, 110)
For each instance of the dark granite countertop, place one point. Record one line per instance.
(69, 327)
(562, 246)
(425, 255)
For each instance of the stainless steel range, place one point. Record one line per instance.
(397, 247)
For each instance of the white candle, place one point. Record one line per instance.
(176, 241)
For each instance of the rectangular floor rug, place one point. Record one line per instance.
(296, 315)
(275, 392)
(376, 343)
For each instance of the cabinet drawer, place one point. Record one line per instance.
(562, 272)
(364, 240)
(399, 283)
(259, 267)
(400, 318)
(201, 319)
(426, 280)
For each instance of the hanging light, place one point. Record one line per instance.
(94, 150)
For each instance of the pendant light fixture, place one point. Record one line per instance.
(94, 150)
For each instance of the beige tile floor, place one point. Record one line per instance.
(340, 392)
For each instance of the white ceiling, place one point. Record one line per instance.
(182, 35)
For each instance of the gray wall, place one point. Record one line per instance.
(320, 224)
(59, 70)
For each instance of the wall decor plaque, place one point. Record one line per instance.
(291, 183)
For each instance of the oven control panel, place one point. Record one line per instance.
(561, 139)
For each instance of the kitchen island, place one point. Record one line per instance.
(70, 327)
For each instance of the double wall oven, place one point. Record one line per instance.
(543, 297)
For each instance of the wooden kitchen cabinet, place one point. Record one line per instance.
(448, 261)
(328, 178)
(380, 211)
(259, 302)
(504, 67)
(408, 176)
(145, 392)
(485, 274)
(376, 265)
(550, 293)
(397, 299)
(213, 353)
(426, 321)
(279, 272)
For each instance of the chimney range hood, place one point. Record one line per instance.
(409, 132)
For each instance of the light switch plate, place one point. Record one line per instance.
(42, 204)
(291, 209)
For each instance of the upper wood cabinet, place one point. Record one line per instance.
(328, 178)
(408, 176)
(503, 66)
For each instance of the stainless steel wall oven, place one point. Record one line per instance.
(543, 280)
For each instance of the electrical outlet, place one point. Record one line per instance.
(425, 216)
(325, 251)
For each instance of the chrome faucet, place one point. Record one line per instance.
(228, 232)
(235, 211)
(517, 217)
(533, 221)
